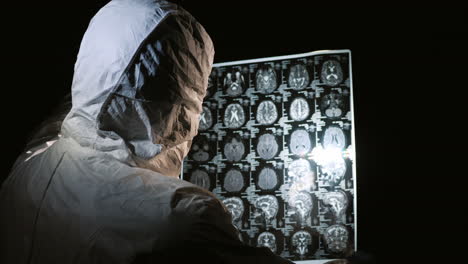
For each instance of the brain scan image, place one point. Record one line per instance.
(266, 80)
(200, 149)
(267, 206)
(332, 74)
(338, 202)
(299, 109)
(235, 206)
(200, 178)
(267, 179)
(233, 181)
(267, 147)
(301, 241)
(301, 176)
(298, 77)
(268, 240)
(234, 116)
(334, 170)
(206, 119)
(302, 204)
(334, 138)
(266, 113)
(332, 105)
(336, 238)
(234, 149)
(234, 83)
(300, 143)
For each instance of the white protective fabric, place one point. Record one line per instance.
(106, 190)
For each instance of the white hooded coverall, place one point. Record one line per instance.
(106, 191)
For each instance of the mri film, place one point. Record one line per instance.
(234, 83)
(206, 119)
(200, 178)
(299, 109)
(267, 179)
(300, 142)
(268, 240)
(267, 113)
(276, 145)
(298, 77)
(266, 80)
(332, 74)
(234, 116)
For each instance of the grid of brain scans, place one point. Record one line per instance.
(276, 145)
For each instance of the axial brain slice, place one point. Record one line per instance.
(299, 109)
(234, 116)
(267, 113)
(234, 150)
(336, 237)
(234, 83)
(235, 206)
(267, 239)
(234, 181)
(334, 138)
(266, 80)
(267, 179)
(301, 241)
(332, 104)
(267, 146)
(300, 142)
(206, 119)
(298, 77)
(332, 74)
(200, 178)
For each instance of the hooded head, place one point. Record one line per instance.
(139, 83)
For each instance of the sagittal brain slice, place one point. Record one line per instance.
(334, 138)
(302, 204)
(267, 179)
(206, 119)
(301, 241)
(200, 178)
(332, 74)
(300, 142)
(336, 238)
(267, 239)
(337, 201)
(267, 113)
(234, 83)
(298, 77)
(235, 206)
(266, 80)
(234, 150)
(299, 109)
(233, 181)
(267, 205)
(234, 116)
(267, 146)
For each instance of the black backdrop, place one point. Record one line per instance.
(396, 52)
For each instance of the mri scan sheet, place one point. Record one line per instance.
(276, 145)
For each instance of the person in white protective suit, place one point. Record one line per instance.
(106, 189)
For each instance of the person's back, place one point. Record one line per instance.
(106, 190)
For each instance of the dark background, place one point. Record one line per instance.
(407, 62)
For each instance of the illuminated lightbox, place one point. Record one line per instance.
(276, 145)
